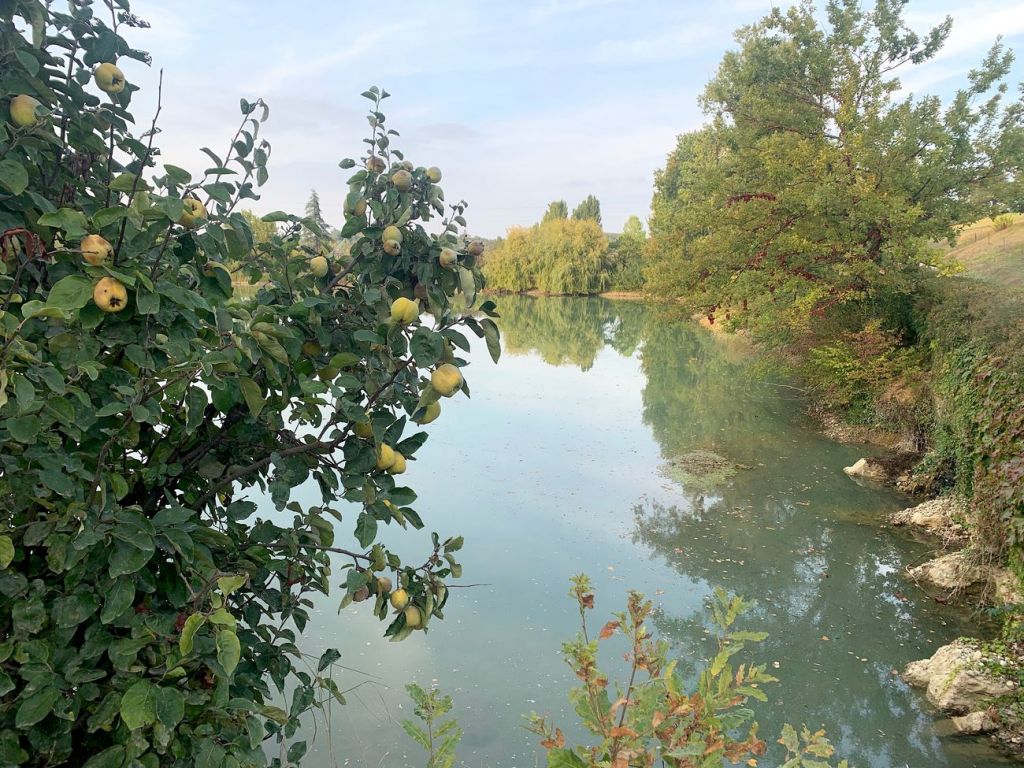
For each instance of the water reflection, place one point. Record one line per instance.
(553, 467)
(788, 529)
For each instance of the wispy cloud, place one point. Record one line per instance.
(518, 104)
(556, 7)
(676, 43)
(975, 26)
(298, 67)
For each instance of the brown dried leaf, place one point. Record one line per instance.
(608, 630)
(616, 705)
(556, 742)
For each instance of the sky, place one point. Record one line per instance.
(518, 102)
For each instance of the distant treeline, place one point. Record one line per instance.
(568, 255)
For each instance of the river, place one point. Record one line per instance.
(557, 466)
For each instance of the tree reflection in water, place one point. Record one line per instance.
(788, 529)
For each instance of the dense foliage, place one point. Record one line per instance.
(148, 612)
(568, 256)
(809, 210)
(558, 256)
(625, 259)
(978, 425)
(589, 208)
(816, 185)
(557, 209)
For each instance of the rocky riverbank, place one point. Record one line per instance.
(975, 684)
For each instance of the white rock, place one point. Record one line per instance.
(973, 723)
(867, 469)
(951, 571)
(955, 679)
(940, 516)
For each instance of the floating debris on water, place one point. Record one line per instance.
(700, 470)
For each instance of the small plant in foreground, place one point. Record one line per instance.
(652, 718)
(440, 738)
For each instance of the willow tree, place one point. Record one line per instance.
(557, 256)
(817, 183)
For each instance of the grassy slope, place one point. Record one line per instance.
(991, 256)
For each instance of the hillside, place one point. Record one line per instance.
(993, 256)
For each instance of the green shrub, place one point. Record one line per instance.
(148, 616)
(1003, 221)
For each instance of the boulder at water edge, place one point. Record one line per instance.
(955, 678)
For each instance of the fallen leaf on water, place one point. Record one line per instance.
(824, 637)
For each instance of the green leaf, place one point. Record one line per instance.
(29, 616)
(296, 752)
(328, 657)
(492, 337)
(72, 610)
(127, 558)
(138, 705)
(68, 219)
(6, 551)
(177, 175)
(107, 216)
(564, 758)
(229, 584)
(11, 752)
(111, 757)
(252, 394)
(119, 599)
(71, 293)
(36, 308)
(366, 529)
(188, 632)
(229, 650)
(222, 617)
(147, 302)
(13, 176)
(211, 755)
(23, 429)
(467, 282)
(125, 181)
(276, 714)
(36, 707)
(416, 734)
(426, 347)
(789, 739)
(754, 637)
(169, 705)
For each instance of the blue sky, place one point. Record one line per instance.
(518, 103)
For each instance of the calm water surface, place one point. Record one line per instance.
(553, 468)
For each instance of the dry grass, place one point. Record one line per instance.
(995, 256)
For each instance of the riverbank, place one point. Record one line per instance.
(948, 413)
(617, 391)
